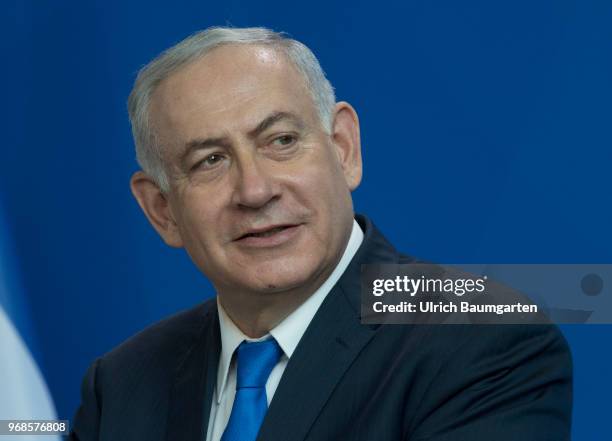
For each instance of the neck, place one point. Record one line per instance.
(256, 313)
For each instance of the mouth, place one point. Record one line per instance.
(266, 233)
(268, 236)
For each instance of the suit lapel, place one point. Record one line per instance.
(323, 355)
(328, 347)
(195, 376)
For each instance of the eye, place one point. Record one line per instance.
(284, 141)
(209, 161)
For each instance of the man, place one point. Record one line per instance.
(248, 163)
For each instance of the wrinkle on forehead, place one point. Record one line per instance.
(234, 68)
(223, 88)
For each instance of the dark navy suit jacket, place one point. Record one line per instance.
(345, 380)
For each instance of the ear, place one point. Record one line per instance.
(155, 206)
(345, 135)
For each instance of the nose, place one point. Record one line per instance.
(255, 186)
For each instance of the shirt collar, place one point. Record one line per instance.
(289, 331)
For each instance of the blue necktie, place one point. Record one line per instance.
(255, 362)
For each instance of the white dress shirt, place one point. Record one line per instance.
(287, 333)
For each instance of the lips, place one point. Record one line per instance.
(265, 232)
(269, 237)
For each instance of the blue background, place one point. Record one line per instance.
(486, 138)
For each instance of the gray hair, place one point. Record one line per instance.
(148, 150)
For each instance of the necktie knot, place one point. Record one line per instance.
(255, 362)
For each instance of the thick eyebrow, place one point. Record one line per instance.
(200, 144)
(272, 119)
(266, 123)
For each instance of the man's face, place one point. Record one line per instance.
(260, 194)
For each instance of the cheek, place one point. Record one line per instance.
(200, 220)
(323, 188)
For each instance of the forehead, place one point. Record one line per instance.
(230, 89)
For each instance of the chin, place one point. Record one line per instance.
(277, 278)
(280, 283)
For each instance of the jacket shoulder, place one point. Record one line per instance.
(132, 381)
(149, 358)
(165, 337)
